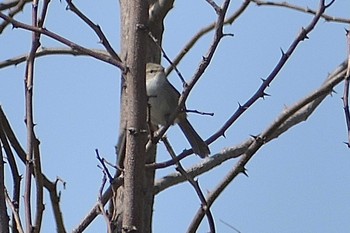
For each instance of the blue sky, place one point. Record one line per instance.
(297, 183)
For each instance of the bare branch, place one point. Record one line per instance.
(104, 167)
(184, 84)
(96, 208)
(215, 6)
(267, 134)
(346, 91)
(14, 170)
(55, 202)
(50, 186)
(328, 18)
(42, 51)
(4, 218)
(15, 7)
(302, 109)
(29, 118)
(15, 214)
(101, 205)
(204, 166)
(292, 116)
(204, 31)
(96, 28)
(194, 184)
(7, 5)
(65, 41)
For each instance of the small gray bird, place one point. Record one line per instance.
(163, 100)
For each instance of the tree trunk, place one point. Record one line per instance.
(154, 26)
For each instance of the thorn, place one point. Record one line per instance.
(347, 31)
(264, 81)
(303, 32)
(347, 144)
(241, 107)
(244, 172)
(264, 94)
(282, 52)
(184, 85)
(228, 34)
(254, 136)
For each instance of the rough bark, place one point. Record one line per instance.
(154, 26)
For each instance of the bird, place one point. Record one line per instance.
(163, 100)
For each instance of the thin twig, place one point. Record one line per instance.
(74, 46)
(96, 28)
(105, 169)
(326, 17)
(15, 213)
(50, 186)
(215, 6)
(101, 205)
(194, 184)
(42, 51)
(4, 218)
(16, 177)
(37, 22)
(184, 84)
(29, 118)
(55, 202)
(200, 113)
(346, 90)
(15, 8)
(7, 5)
(230, 226)
(106, 196)
(204, 31)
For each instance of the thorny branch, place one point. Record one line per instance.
(4, 219)
(194, 184)
(346, 90)
(326, 17)
(50, 186)
(101, 205)
(74, 46)
(29, 120)
(14, 8)
(42, 51)
(16, 177)
(15, 213)
(204, 31)
(260, 140)
(304, 108)
(95, 28)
